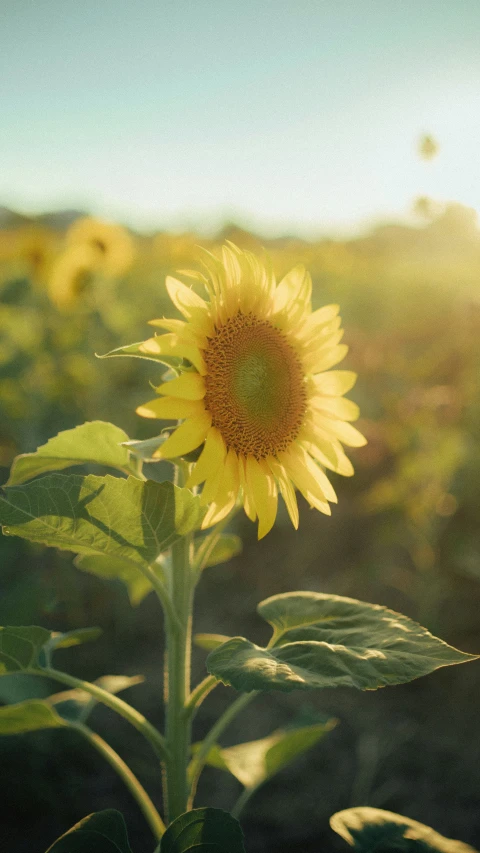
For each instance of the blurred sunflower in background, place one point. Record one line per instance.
(94, 250)
(111, 244)
(259, 398)
(71, 274)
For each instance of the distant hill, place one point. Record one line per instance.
(57, 220)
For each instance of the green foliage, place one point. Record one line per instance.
(129, 519)
(26, 648)
(71, 638)
(96, 441)
(114, 568)
(210, 641)
(226, 547)
(20, 648)
(330, 641)
(59, 710)
(102, 832)
(29, 716)
(76, 705)
(144, 450)
(370, 830)
(254, 762)
(204, 831)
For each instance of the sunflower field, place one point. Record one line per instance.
(404, 535)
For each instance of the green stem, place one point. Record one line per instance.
(198, 761)
(136, 789)
(243, 800)
(161, 592)
(198, 695)
(122, 708)
(177, 681)
(208, 544)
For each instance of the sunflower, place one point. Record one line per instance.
(112, 244)
(71, 275)
(256, 393)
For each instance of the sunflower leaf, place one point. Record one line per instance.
(254, 762)
(209, 641)
(204, 831)
(226, 547)
(367, 829)
(20, 647)
(114, 568)
(27, 648)
(29, 716)
(130, 519)
(329, 641)
(92, 442)
(101, 832)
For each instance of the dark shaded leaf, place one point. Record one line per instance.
(101, 832)
(370, 830)
(205, 831)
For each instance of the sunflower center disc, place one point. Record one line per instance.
(254, 386)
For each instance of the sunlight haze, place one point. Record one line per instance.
(302, 117)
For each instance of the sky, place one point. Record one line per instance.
(298, 116)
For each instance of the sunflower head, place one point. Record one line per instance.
(110, 244)
(254, 390)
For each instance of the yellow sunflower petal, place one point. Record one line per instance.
(346, 433)
(330, 454)
(227, 492)
(172, 344)
(288, 288)
(190, 304)
(188, 386)
(337, 407)
(186, 437)
(286, 489)
(170, 408)
(211, 486)
(329, 358)
(248, 501)
(184, 330)
(296, 466)
(335, 382)
(261, 485)
(211, 457)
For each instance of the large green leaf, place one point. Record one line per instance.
(102, 832)
(329, 641)
(369, 830)
(204, 831)
(20, 647)
(29, 716)
(114, 568)
(94, 441)
(254, 762)
(130, 519)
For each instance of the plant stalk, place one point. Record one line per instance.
(122, 708)
(177, 681)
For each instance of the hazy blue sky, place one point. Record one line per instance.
(289, 114)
